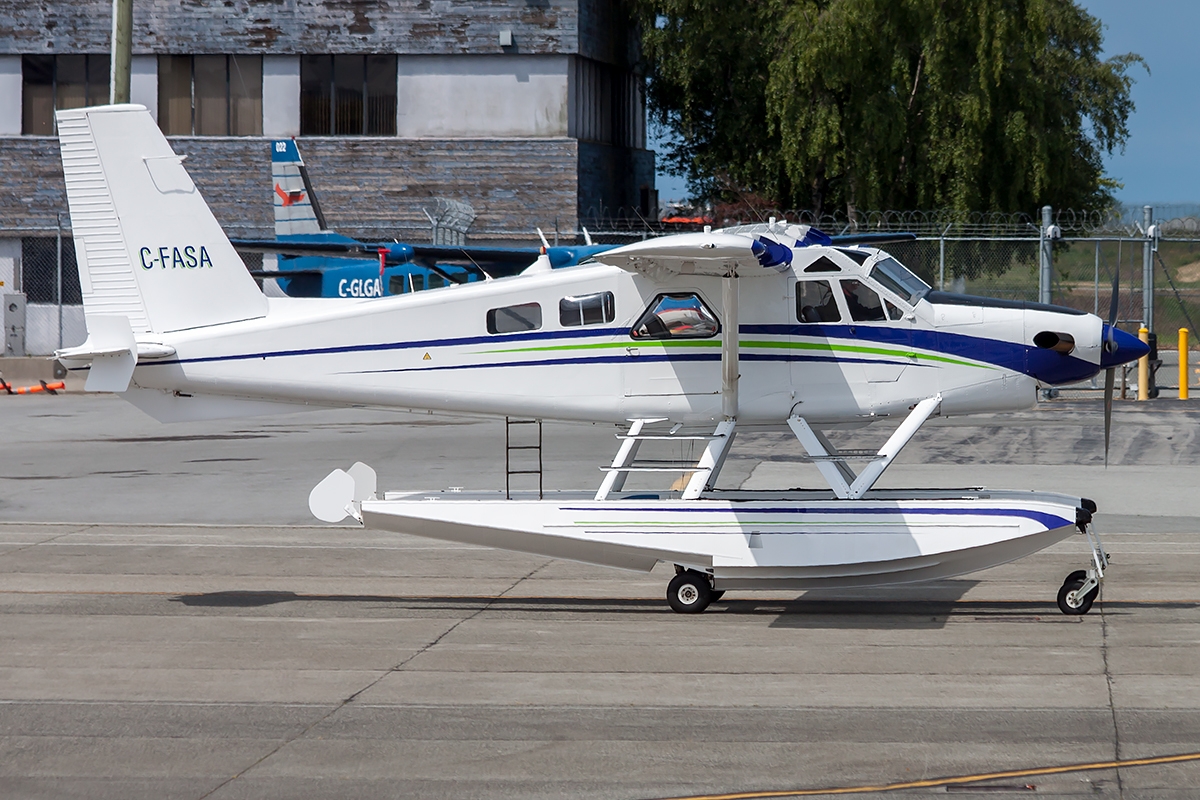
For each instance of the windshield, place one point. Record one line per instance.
(894, 276)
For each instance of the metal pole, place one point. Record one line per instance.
(729, 348)
(1183, 363)
(1046, 272)
(1096, 284)
(122, 51)
(1147, 270)
(58, 283)
(942, 262)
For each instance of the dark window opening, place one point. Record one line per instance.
(514, 319)
(857, 256)
(588, 309)
(823, 264)
(815, 302)
(217, 95)
(348, 95)
(676, 316)
(53, 82)
(39, 271)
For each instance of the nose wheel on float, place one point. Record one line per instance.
(1082, 587)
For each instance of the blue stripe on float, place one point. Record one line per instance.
(1049, 520)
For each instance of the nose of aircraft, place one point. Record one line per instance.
(1123, 348)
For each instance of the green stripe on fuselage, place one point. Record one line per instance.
(823, 346)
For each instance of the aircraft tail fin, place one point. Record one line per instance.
(296, 207)
(148, 247)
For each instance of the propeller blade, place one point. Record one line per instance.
(1110, 375)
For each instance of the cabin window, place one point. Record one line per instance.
(823, 264)
(437, 281)
(676, 316)
(815, 302)
(514, 319)
(892, 311)
(862, 301)
(586, 309)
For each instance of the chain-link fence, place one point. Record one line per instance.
(1003, 256)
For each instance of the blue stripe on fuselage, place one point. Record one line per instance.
(1047, 366)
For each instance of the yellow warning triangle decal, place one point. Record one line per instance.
(426, 358)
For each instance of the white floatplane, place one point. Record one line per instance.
(828, 333)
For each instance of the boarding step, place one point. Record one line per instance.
(510, 448)
(702, 472)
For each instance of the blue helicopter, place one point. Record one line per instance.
(314, 261)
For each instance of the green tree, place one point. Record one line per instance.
(975, 105)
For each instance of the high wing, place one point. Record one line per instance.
(714, 254)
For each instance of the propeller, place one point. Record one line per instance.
(1110, 346)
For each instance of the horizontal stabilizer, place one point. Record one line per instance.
(112, 350)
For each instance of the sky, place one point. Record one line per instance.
(1160, 164)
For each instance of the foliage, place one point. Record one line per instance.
(975, 105)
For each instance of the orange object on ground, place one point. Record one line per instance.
(52, 388)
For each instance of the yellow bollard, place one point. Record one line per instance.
(1183, 365)
(1144, 367)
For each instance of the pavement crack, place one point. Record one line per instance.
(24, 547)
(1112, 706)
(390, 671)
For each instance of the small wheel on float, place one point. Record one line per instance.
(689, 592)
(1075, 605)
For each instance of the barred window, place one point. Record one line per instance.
(51, 82)
(210, 95)
(346, 95)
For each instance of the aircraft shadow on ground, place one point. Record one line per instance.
(903, 608)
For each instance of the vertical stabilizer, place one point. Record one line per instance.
(296, 207)
(147, 246)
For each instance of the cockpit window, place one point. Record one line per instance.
(892, 275)
(815, 302)
(862, 301)
(676, 316)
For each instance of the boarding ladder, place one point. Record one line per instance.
(509, 448)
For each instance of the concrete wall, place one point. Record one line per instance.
(10, 265)
(143, 82)
(281, 96)
(296, 26)
(504, 95)
(10, 95)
